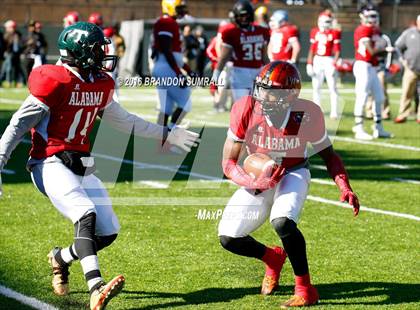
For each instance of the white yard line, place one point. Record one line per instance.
(155, 184)
(345, 205)
(396, 166)
(381, 144)
(319, 167)
(30, 301)
(322, 181)
(416, 182)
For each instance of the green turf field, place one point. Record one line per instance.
(172, 259)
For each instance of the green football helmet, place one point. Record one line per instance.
(83, 45)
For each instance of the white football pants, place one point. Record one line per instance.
(75, 196)
(367, 82)
(324, 68)
(241, 81)
(246, 212)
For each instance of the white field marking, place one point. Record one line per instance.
(322, 181)
(396, 166)
(8, 171)
(30, 301)
(10, 101)
(382, 144)
(155, 184)
(319, 167)
(416, 182)
(346, 205)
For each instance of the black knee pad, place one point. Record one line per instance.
(84, 236)
(284, 226)
(104, 241)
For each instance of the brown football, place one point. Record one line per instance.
(255, 163)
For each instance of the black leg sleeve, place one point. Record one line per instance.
(245, 246)
(294, 244)
(104, 241)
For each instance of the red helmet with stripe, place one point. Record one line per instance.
(96, 18)
(71, 18)
(277, 86)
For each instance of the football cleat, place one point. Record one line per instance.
(272, 275)
(101, 296)
(304, 297)
(379, 132)
(60, 280)
(360, 134)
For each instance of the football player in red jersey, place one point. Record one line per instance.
(322, 57)
(246, 45)
(219, 92)
(274, 121)
(365, 73)
(284, 41)
(60, 112)
(97, 19)
(71, 18)
(168, 62)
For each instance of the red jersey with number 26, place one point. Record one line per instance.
(362, 34)
(281, 40)
(247, 45)
(73, 106)
(325, 43)
(287, 144)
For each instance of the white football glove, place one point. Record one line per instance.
(309, 70)
(183, 138)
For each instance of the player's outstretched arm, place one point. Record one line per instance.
(339, 174)
(128, 122)
(28, 116)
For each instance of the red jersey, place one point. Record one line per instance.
(364, 33)
(73, 105)
(167, 25)
(247, 45)
(212, 53)
(281, 40)
(286, 145)
(325, 43)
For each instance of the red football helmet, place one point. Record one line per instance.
(71, 18)
(344, 66)
(96, 18)
(325, 20)
(108, 32)
(277, 86)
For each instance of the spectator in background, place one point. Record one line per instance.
(201, 51)
(118, 41)
(408, 45)
(35, 45)
(2, 48)
(191, 46)
(12, 69)
(44, 48)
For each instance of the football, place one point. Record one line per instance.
(255, 163)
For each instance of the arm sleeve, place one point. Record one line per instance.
(227, 38)
(337, 41)
(125, 121)
(312, 40)
(28, 116)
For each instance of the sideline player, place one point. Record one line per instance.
(168, 62)
(220, 92)
(322, 58)
(71, 18)
(284, 41)
(246, 45)
(261, 16)
(365, 73)
(276, 122)
(60, 112)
